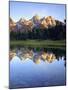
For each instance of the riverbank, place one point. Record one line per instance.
(39, 43)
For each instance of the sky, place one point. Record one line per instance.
(28, 9)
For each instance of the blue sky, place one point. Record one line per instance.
(28, 10)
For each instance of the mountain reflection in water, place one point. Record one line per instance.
(37, 67)
(37, 54)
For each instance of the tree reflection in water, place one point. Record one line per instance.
(36, 55)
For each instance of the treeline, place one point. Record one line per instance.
(54, 33)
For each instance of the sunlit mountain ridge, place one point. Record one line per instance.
(34, 22)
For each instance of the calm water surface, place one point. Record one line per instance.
(37, 67)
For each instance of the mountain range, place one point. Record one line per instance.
(35, 22)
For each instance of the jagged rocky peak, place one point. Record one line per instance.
(22, 20)
(47, 22)
(50, 21)
(34, 22)
(11, 20)
(12, 24)
(35, 19)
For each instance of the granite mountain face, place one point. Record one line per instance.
(24, 25)
(12, 24)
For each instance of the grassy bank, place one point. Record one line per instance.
(39, 43)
